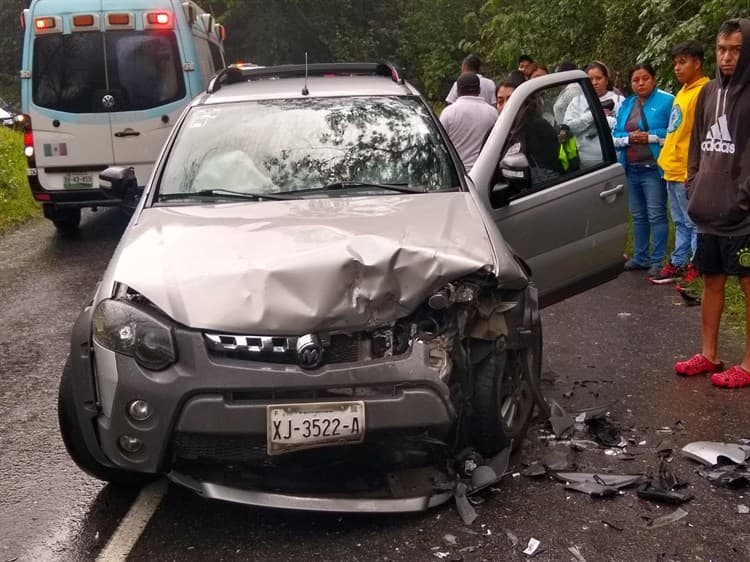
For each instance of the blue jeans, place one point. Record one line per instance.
(648, 207)
(686, 235)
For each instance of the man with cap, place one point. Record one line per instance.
(469, 120)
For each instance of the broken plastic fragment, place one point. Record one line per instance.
(743, 509)
(533, 548)
(441, 555)
(609, 480)
(465, 509)
(512, 538)
(710, 453)
(449, 539)
(676, 515)
(576, 552)
(534, 470)
(593, 489)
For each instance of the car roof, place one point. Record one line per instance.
(323, 80)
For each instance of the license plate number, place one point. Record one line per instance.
(291, 427)
(73, 181)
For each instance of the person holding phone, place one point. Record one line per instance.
(640, 130)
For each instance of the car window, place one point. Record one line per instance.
(288, 145)
(557, 133)
(145, 68)
(67, 72)
(142, 70)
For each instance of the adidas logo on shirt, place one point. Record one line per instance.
(718, 138)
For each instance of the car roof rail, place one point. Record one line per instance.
(232, 75)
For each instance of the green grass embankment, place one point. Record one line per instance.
(16, 203)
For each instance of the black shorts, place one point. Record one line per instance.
(723, 255)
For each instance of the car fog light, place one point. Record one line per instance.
(130, 444)
(140, 410)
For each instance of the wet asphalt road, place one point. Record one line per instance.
(616, 342)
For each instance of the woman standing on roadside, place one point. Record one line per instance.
(638, 135)
(580, 120)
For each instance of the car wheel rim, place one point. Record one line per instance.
(516, 400)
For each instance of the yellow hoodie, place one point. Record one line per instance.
(673, 159)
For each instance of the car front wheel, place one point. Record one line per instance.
(504, 397)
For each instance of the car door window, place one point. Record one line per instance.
(555, 135)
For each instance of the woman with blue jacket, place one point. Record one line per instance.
(639, 132)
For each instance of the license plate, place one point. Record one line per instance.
(76, 181)
(291, 427)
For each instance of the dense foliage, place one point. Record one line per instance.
(430, 37)
(16, 203)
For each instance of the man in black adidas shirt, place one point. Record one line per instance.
(718, 186)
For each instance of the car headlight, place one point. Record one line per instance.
(128, 329)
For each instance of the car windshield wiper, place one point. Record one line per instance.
(226, 193)
(342, 185)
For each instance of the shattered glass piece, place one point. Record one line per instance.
(743, 509)
(441, 555)
(668, 519)
(576, 552)
(710, 452)
(533, 548)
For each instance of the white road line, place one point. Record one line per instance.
(130, 528)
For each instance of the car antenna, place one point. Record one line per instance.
(305, 91)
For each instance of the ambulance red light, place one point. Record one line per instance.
(158, 18)
(44, 23)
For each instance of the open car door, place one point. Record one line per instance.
(562, 208)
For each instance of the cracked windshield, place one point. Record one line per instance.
(286, 146)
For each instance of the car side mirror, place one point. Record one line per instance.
(122, 182)
(512, 176)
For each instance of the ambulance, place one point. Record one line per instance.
(102, 83)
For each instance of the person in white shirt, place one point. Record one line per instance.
(487, 87)
(469, 120)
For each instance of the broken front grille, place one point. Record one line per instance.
(337, 348)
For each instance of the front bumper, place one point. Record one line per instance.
(204, 401)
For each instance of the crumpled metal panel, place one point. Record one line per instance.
(300, 266)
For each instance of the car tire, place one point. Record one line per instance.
(76, 445)
(504, 398)
(67, 221)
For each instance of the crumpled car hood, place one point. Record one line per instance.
(301, 266)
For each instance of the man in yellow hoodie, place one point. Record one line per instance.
(673, 160)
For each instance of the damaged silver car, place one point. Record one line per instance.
(315, 307)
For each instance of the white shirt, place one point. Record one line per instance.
(486, 91)
(467, 122)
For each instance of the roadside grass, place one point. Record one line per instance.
(16, 203)
(734, 308)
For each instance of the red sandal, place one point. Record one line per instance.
(734, 377)
(697, 365)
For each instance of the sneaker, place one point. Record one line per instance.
(667, 274)
(654, 271)
(632, 265)
(689, 274)
(697, 365)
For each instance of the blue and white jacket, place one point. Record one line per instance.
(658, 107)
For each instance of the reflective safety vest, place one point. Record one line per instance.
(569, 159)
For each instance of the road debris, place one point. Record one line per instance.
(612, 525)
(743, 509)
(534, 548)
(512, 538)
(576, 552)
(668, 519)
(450, 539)
(664, 488)
(711, 453)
